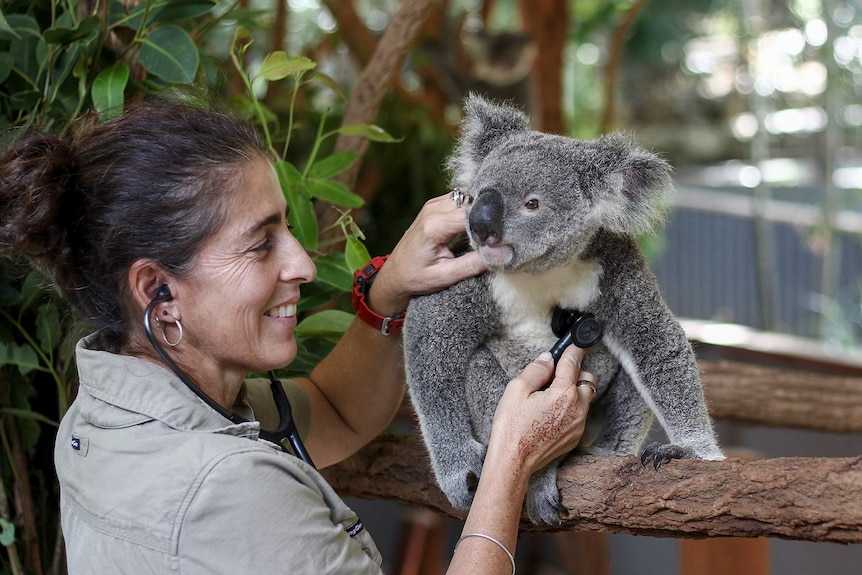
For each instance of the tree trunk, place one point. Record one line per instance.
(815, 499)
(547, 21)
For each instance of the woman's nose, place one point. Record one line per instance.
(297, 266)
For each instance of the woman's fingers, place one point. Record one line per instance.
(538, 372)
(569, 366)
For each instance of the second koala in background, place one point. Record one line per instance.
(554, 219)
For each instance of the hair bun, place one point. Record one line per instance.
(35, 173)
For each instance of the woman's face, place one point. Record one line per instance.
(238, 304)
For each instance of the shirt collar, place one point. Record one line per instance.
(144, 388)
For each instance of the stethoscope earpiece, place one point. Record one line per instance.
(163, 294)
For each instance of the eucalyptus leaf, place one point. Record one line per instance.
(332, 270)
(334, 193)
(302, 216)
(9, 296)
(327, 81)
(312, 301)
(48, 329)
(331, 323)
(355, 253)
(71, 56)
(179, 10)
(277, 66)
(22, 356)
(108, 90)
(29, 54)
(316, 294)
(6, 31)
(242, 39)
(333, 165)
(289, 173)
(33, 287)
(163, 11)
(22, 25)
(60, 35)
(303, 219)
(170, 54)
(369, 131)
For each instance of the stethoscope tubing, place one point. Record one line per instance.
(286, 426)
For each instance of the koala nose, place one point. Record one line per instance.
(486, 218)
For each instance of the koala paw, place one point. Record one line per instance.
(660, 454)
(544, 505)
(460, 479)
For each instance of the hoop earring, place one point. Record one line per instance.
(179, 340)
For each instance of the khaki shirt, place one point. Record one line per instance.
(152, 480)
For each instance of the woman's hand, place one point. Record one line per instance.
(422, 262)
(533, 426)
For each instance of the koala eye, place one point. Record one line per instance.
(532, 204)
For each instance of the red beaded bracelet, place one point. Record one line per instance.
(362, 280)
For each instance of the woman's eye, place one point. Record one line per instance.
(532, 204)
(263, 246)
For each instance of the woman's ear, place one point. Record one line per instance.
(145, 279)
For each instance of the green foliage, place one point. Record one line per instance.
(59, 59)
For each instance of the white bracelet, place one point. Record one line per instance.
(489, 538)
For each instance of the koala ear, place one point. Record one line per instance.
(483, 126)
(629, 187)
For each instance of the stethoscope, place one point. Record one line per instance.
(286, 426)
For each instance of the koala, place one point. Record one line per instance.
(555, 221)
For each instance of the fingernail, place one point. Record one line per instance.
(545, 357)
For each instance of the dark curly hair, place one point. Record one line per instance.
(154, 182)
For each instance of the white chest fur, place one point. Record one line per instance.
(526, 300)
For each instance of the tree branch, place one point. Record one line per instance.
(378, 75)
(356, 36)
(367, 96)
(776, 397)
(816, 499)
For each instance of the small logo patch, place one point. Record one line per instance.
(80, 444)
(356, 528)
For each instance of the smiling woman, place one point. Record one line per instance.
(167, 224)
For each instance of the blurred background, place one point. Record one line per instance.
(756, 104)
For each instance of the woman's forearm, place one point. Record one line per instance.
(354, 392)
(495, 513)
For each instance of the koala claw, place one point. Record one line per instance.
(544, 505)
(661, 454)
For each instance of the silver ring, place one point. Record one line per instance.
(459, 197)
(589, 384)
(588, 379)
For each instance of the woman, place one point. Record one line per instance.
(176, 213)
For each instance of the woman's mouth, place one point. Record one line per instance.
(281, 311)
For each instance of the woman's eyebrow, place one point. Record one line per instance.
(270, 220)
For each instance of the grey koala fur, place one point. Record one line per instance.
(575, 248)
